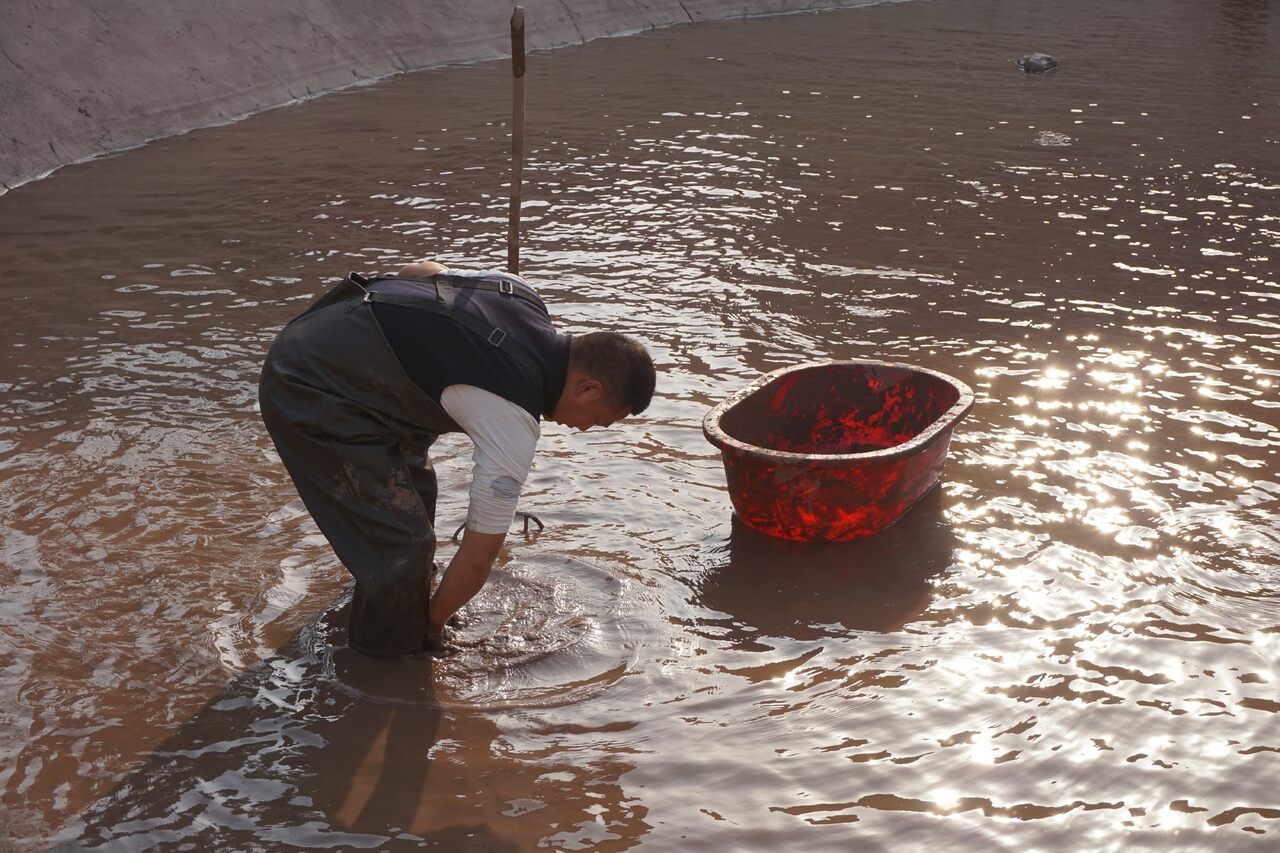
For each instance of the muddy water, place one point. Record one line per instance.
(1072, 644)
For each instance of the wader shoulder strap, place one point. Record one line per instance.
(444, 292)
(495, 336)
(446, 282)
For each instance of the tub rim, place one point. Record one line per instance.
(942, 424)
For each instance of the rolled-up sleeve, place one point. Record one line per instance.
(504, 437)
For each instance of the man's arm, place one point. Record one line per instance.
(467, 572)
(504, 438)
(422, 269)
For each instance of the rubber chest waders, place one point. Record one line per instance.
(354, 431)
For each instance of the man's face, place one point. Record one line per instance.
(584, 404)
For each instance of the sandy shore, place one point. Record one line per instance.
(87, 77)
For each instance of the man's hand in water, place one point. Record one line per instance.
(438, 640)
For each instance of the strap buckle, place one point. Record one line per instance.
(496, 337)
(506, 286)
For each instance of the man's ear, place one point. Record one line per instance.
(591, 388)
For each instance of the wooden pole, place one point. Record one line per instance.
(517, 139)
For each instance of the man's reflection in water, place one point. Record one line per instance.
(808, 590)
(291, 755)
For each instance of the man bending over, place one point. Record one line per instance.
(355, 390)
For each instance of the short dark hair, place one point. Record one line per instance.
(620, 363)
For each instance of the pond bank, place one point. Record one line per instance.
(88, 78)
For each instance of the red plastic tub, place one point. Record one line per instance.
(835, 450)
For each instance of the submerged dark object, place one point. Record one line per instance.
(1034, 63)
(835, 450)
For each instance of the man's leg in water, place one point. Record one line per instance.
(358, 486)
(352, 429)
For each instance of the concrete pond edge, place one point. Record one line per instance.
(84, 78)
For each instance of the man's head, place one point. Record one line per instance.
(610, 377)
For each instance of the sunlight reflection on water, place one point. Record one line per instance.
(1071, 643)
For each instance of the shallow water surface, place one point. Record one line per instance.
(1072, 644)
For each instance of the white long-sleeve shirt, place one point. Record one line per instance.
(504, 437)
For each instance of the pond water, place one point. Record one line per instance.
(1071, 644)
